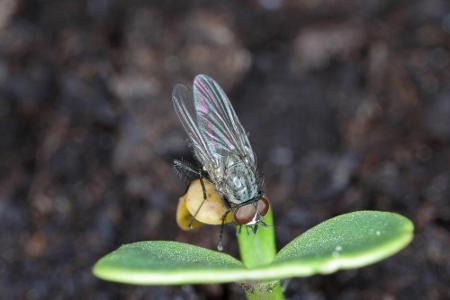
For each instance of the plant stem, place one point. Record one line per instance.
(257, 250)
(261, 291)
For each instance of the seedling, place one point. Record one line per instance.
(228, 189)
(347, 241)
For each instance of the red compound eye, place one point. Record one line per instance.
(244, 214)
(263, 206)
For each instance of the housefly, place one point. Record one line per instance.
(222, 148)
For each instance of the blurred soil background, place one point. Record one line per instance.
(347, 104)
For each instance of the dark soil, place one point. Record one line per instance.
(347, 103)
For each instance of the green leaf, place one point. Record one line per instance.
(166, 262)
(347, 241)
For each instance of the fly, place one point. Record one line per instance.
(222, 148)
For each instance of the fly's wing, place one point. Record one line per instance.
(184, 108)
(219, 125)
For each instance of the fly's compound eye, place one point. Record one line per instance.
(244, 214)
(263, 206)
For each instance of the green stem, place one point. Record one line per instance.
(257, 250)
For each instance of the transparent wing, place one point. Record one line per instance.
(218, 123)
(184, 108)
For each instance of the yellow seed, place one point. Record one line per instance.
(212, 210)
(184, 218)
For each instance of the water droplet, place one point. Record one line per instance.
(220, 246)
(336, 251)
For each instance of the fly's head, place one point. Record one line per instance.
(251, 213)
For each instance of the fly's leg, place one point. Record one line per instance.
(246, 229)
(251, 228)
(184, 168)
(220, 244)
(205, 198)
(239, 229)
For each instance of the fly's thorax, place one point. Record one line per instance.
(216, 174)
(239, 182)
